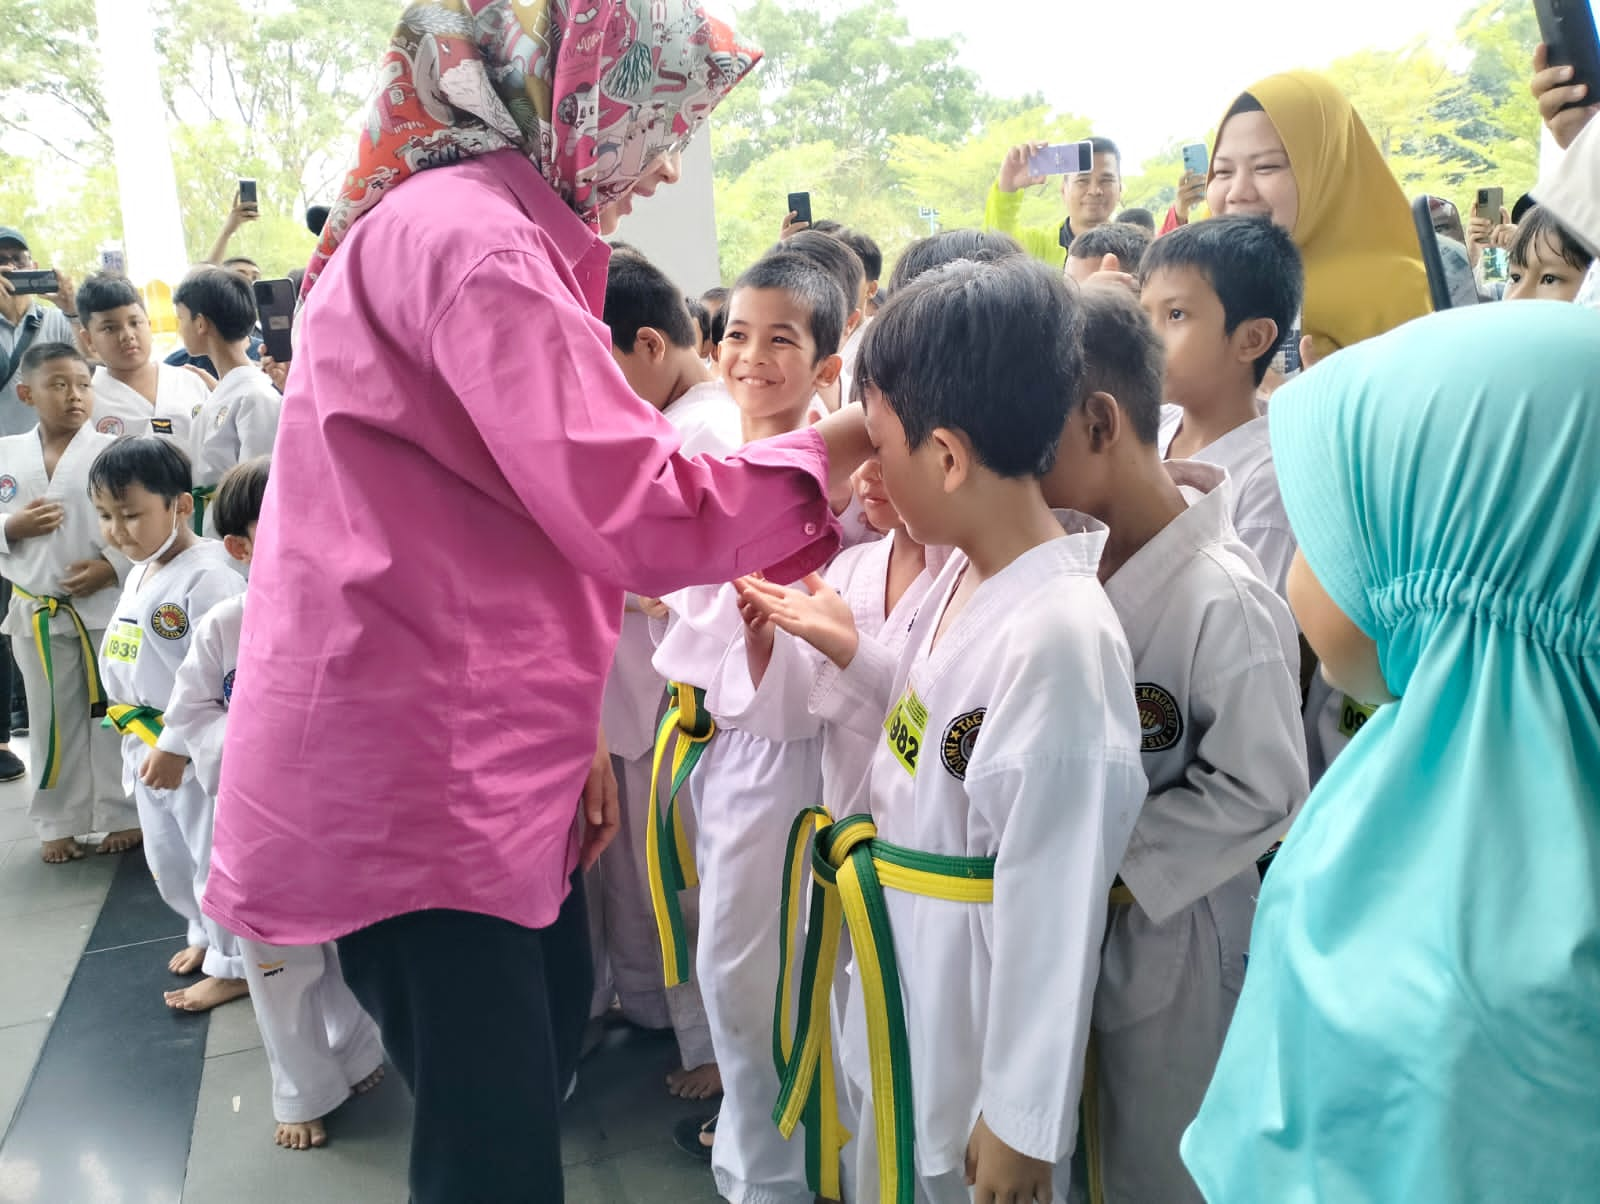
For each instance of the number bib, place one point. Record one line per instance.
(904, 728)
(122, 642)
(1353, 716)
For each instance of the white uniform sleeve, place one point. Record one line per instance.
(258, 423)
(1063, 785)
(195, 714)
(205, 592)
(1263, 526)
(778, 709)
(856, 697)
(1245, 783)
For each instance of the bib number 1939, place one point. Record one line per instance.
(904, 729)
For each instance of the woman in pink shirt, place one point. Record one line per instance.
(463, 487)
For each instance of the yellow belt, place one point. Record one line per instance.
(201, 494)
(145, 722)
(46, 608)
(686, 729)
(851, 867)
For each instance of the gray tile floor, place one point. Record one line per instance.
(616, 1132)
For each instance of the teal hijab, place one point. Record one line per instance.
(1420, 1021)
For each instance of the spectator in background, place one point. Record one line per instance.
(1142, 218)
(1547, 262)
(1112, 250)
(241, 214)
(245, 266)
(1090, 197)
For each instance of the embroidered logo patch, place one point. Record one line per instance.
(959, 739)
(1160, 721)
(109, 426)
(169, 621)
(227, 687)
(222, 416)
(161, 426)
(8, 487)
(195, 413)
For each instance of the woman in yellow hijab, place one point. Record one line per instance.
(1293, 148)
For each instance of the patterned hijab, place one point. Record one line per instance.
(591, 91)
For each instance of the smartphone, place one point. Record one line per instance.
(37, 282)
(1490, 202)
(1062, 159)
(800, 206)
(1432, 258)
(247, 192)
(1567, 29)
(1196, 159)
(275, 301)
(114, 261)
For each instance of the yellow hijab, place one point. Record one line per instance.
(1364, 272)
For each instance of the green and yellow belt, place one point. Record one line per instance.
(851, 868)
(145, 722)
(202, 494)
(46, 608)
(685, 730)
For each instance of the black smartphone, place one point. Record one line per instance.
(37, 282)
(1567, 29)
(275, 300)
(800, 206)
(1432, 259)
(247, 192)
(1490, 202)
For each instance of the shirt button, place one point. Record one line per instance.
(811, 528)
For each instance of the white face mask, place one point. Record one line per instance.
(162, 550)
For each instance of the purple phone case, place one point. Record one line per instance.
(1065, 159)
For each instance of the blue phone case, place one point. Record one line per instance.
(1196, 160)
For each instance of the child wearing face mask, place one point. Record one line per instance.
(140, 487)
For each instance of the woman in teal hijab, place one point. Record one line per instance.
(1420, 1022)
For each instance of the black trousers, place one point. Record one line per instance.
(483, 1019)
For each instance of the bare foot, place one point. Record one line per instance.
(188, 961)
(207, 994)
(59, 852)
(121, 842)
(368, 1083)
(309, 1136)
(700, 1083)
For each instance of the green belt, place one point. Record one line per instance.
(145, 722)
(686, 729)
(46, 608)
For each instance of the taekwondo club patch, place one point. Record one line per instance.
(195, 413)
(227, 687)
(109, 426)
(1160, 721)
(169, 621)
(161, 426)
(8, 487)
(959, 739)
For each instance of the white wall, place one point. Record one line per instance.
(677, 228)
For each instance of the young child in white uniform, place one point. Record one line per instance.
(238, 421)
(1216, 665)
(652, 340)
(1221, 293)
(1010, 754)
(785, 318)
(134, 393)
(140, 488)
(62, 572)
(320, 1045)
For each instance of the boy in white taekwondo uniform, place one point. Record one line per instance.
(320, 1045)
(1006, 779)
(140, 488)
(64, 582)
(785, 319)
(134, 393)
(238, 420)
(1216, 661)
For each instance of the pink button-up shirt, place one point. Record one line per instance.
(463, 487)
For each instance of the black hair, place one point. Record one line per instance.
(223, 298)
(154, 461)
(867, 251)
(716, 296)
(1246, 103)
(638, 294)
(992, 350)
(833, 256)
(233, 259)
(719, 321)
(947, 246)
(1136, 216)
(1541, 223)
(239, 494)
(1519, 211)
(1252, 265)
(1122, 239)
(807, 284)
(700, 316)
(1124, 356)
(41, 354)
(1104, 146)
(104, 291)
(316, 218)
(296, 277)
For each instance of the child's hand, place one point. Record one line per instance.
(999, 1175)
(821, 617)
(1553, 88)
(163, 770)
(85, 577)
(1111, 273)
(655, 608)
(602, 807)
(39, 517)
(758, 632)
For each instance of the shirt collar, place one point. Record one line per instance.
(580, 249)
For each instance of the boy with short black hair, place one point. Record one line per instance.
(64, 581)
(1216, 659)
(1221, 293)
(140, 489)
(133, 394)
(834, 256)
(320, 1045)
(1125, 242)
(239, 419)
